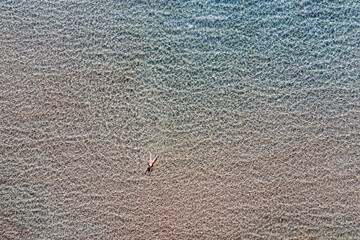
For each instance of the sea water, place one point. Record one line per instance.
(253, 107)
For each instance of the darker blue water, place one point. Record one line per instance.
(88, 88)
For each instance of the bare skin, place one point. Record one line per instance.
(151, 164)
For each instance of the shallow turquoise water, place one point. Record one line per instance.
(88, 88)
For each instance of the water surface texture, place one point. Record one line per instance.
(253, 107)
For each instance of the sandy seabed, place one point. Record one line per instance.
(253, 108)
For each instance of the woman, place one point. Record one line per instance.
(151, 164)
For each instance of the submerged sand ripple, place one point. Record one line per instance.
(254, 112)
